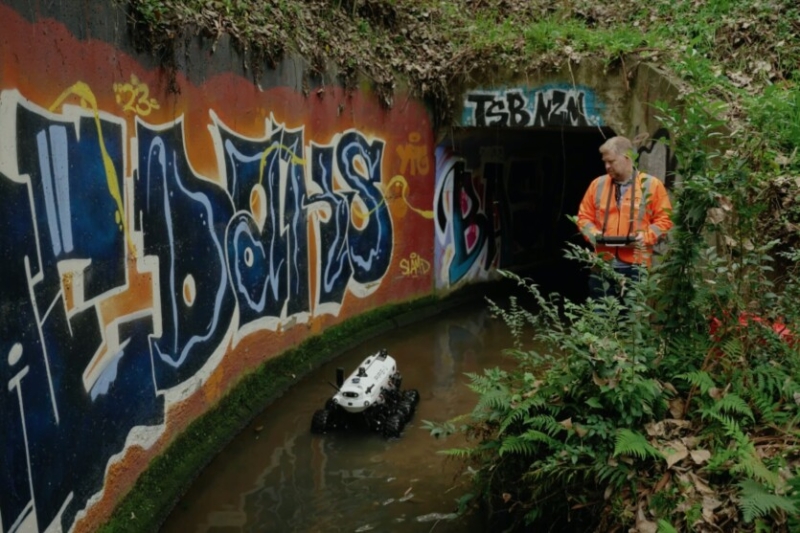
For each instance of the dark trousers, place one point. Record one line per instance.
(597, 281)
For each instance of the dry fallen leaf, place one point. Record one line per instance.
(676, 407)
(739, 79)
(597, 380)
(725, 203)
(655, 429)
(709, 504)
(643, 525)
(682, 424)
(700, 456)
(716, 215)
(675, 453)
(670, 387)
(700, 484)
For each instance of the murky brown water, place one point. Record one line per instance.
(278, 477)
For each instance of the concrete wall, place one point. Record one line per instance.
(161, 236)
(159, 242)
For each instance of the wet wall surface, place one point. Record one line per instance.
(278, 477)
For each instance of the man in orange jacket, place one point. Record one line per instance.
(624, 213)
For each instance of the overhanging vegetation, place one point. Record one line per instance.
(733, 49)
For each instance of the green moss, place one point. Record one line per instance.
(158, 489)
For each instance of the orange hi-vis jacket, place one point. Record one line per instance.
(599, 214)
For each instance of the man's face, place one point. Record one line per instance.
(619, 167)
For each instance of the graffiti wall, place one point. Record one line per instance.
(498, 206)
(468, 220)
(547, 105)
(159, 238)
(502, 195)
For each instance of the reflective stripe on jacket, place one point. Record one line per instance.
(651, 211)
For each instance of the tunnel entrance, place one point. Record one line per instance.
(528, 181)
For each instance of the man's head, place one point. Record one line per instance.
(617, 155)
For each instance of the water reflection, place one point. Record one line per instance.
(278, 477)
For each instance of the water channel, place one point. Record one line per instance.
(278, 477)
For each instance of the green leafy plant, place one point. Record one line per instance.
(633, 412)
(757, 501)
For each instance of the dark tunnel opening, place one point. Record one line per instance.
(529, 182)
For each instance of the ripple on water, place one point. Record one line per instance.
(290, 481)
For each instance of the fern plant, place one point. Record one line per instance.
(560, 421)
(634, 444)
(757, 501)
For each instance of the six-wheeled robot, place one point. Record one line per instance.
(370, 398)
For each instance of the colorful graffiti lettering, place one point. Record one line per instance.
(538, 107)
(414, 266)
(134, 97)
(51, 167)
(77, 234)
(486, 203)
(413, 156)
(463, 227)
(400, 182)
(161, 238)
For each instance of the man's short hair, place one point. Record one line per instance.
(618, 145)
